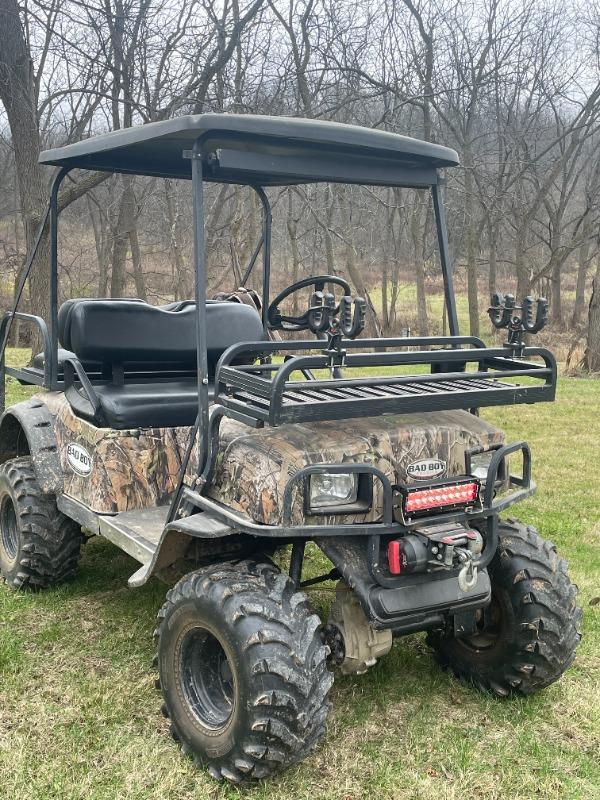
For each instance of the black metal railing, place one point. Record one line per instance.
(463, 374)
(41, 376)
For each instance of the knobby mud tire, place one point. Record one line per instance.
(39, 545)
(275, 653)
(537, 619)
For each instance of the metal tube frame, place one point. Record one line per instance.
(54, 213)
(50, 343)
(445, 260)
(200, 294)
(203, 428)
(266, 248)
(264, 387)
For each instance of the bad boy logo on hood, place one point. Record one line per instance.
(426, 468)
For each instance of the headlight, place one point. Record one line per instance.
(330, 489)
(480, 463)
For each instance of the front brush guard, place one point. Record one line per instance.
(425, 600)
(485, 517)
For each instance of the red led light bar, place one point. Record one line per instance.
(445, 496)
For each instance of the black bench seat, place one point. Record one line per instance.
(141, 359)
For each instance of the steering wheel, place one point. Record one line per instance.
(283, 322)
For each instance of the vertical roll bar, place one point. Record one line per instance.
(266, 243)
(54, 212)
(200, 291)
(51, 213)
(442, 235)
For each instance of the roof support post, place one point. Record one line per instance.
(266, 245)
(447, 271)
(54, 212)
(200, 291)
(51, 213)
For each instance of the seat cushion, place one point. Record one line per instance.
(93, 369)
(133, 342)
(170, 404)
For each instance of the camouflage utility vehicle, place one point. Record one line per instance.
(200, 443)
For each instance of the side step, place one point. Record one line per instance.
(203, 525)
(141, 533)
(179, 532)
(138, 533)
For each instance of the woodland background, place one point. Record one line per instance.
(512, 85)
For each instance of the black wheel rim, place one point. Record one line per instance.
(490, 626)
(9, 528)
(207, 679)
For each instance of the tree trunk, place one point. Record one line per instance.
(118, 279)
(372, 326)
(556, 313)
(493, 259)
(591, 359)
(582, 268)
(102, 242)
(181, 288)
(523, 279)
(329, 251)
(136, 262)
(418, 232)
(472, 289)
(16, 326)
(17, 93)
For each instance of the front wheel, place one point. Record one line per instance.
(242, 670)
(528, 634)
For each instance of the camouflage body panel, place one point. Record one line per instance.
(138, 468)
(129, 469)
(253, 466)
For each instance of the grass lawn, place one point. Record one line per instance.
(79, 715)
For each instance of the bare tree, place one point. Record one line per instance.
(515, 88)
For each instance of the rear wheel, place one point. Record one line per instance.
(39, 546)
(528, 635)
(243, 670)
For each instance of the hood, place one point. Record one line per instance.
(254, 466)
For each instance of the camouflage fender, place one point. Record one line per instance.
(254, 466)
(128, 469)
(28, 428)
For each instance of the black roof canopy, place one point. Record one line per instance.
(270, 151)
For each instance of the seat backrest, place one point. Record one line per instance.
(121, 332)
(64, 315)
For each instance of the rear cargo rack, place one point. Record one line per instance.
(463, 374)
